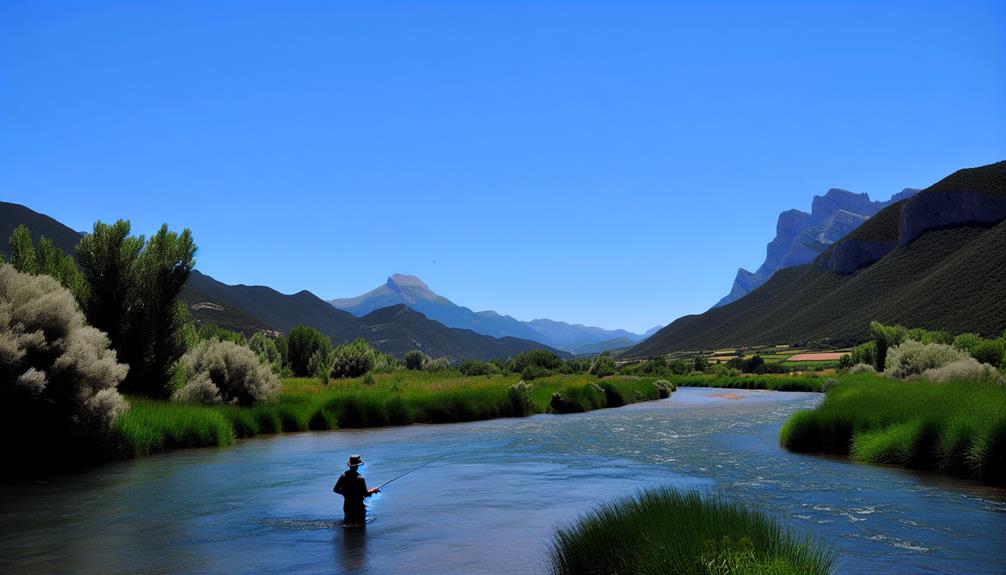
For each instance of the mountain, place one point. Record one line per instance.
(409, 290)
(936, 260)
(398, 329)
(800, 237)
(616, 344)
(260, 308)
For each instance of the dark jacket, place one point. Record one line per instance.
(353, 487)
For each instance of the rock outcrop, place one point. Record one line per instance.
(802, 237)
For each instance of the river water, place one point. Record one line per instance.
(265, 505)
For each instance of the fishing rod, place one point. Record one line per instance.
(417, 468)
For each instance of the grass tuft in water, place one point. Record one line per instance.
(664, 531)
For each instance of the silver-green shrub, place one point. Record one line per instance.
(236, 372)
(51, 361)
(967, 369)
(862, 368)
(912, 358)
(436, 364)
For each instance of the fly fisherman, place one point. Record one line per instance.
(353, 488)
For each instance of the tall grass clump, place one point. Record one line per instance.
(662, 531)
(955, 426)
(155, 426)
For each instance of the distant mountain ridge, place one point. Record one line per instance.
(801, 237)
(401, 289)
(936, 260)
(259, 308)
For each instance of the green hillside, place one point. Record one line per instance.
(951, 278)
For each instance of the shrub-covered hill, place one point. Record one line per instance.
(949, 276)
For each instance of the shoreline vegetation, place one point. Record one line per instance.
(396, 398)
(954, 427)
(661, 531)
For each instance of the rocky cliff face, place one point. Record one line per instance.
(932, 210)
(802, 237)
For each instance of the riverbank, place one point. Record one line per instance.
(957, 428)
(774, 382)
(398, 398)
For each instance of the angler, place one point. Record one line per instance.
(353, 488)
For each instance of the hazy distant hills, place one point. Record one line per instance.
(801, 237)
(936, 260)
(260, 308)
(412, 292)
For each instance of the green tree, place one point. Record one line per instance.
(885, 337)
(302, 343)
(22, 251)
(133, 286)
(107, 257)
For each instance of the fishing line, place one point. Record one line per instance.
(417, 468)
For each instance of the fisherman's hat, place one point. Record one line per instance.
(354, 460)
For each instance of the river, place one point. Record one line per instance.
(265, 505)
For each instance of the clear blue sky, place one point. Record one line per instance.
(605, 163)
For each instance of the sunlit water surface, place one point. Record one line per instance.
(266, 506)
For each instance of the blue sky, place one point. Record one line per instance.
(605, 163)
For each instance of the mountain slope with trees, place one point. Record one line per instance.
(937, 261)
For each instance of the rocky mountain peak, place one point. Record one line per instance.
(398, 281)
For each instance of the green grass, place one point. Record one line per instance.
(663, 531)
(775, 382)
(399, 398)
(957, 428)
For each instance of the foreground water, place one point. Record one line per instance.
(265, 505)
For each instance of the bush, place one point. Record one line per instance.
(538, 362)
(474, 367)
(603, 365)
(967, 341)
(519, 398)
(862, 368)
(884, 338)
(864, 353)
(436, 364)
(265, 348)
(235, 371)
(967, 368)
(912, 358)
(301, 344)
(989, 351)
(664, 388)
(58, 377)
(415, 359)
(353, 359)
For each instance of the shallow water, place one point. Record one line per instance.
(266, 506)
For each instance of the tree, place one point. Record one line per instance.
(106, 258)
(22, 251)
(46, 259)
(302, 343)
(133, 286)
(885, 337)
